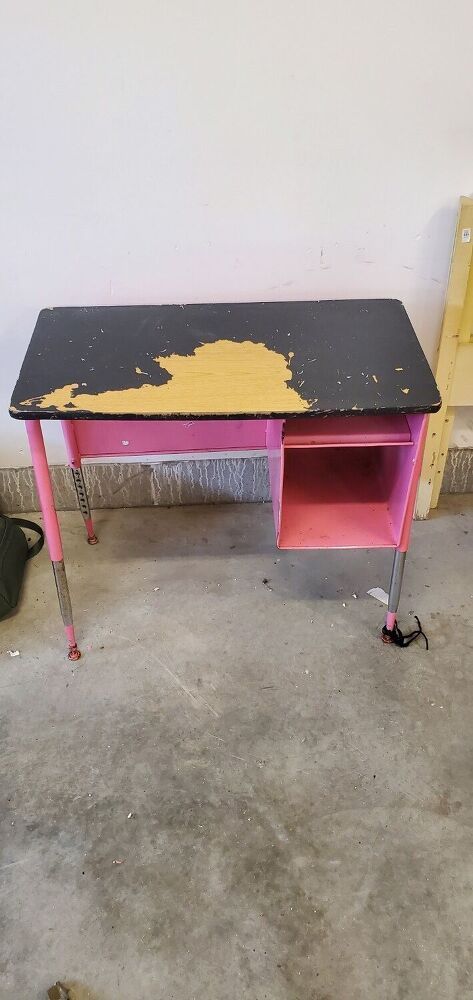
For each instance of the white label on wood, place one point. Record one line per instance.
(466, 235)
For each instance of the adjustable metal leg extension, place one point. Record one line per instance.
(73, 458)
(390, 628)
(83, 501)
(65, 607)
(395, 590)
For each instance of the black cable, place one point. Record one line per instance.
(395, 635)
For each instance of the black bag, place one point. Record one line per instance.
(14, 551)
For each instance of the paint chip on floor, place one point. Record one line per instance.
(379, 594)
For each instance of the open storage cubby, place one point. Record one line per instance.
(344, 482)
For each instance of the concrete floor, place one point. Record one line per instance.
(239, 791)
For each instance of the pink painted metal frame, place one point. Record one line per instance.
(336, 483)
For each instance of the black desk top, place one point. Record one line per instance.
(262, 359)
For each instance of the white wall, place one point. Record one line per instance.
(186, 150)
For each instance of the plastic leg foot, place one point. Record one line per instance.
(394, 634)
(89, 527)
(389, 628)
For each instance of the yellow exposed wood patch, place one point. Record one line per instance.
(220, 377)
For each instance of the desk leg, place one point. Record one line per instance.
(74, 459)
(408, 488)
(395, 588)
(51, 529)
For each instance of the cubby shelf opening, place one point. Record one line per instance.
(343, 497)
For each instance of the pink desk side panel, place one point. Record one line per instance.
(405, 481)
(274, 431)
(107, 438)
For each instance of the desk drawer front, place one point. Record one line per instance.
(109, 438)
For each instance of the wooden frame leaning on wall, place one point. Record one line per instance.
(454, 374)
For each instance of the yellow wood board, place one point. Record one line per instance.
(454, 325)
(462, 384)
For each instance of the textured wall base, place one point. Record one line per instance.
(458, 477)
(127, 484)
(210, 480)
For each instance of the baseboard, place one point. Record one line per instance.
(136, 484)
(458, 476)
(242, 479)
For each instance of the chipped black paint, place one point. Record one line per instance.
(347, 353)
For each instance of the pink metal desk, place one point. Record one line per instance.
(337, 392)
